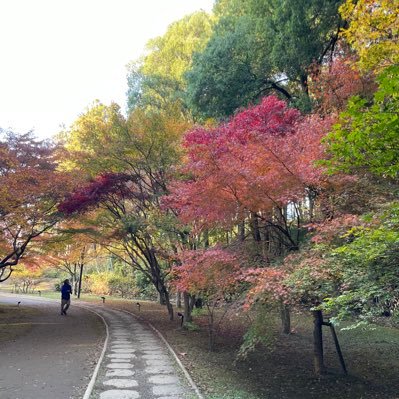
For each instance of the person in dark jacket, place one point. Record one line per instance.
(66, 291)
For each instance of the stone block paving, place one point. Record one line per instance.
(137, 365)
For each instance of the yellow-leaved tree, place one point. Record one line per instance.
(373, 32)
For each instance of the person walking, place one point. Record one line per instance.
(66, 291)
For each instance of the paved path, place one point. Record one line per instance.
(56, 355)
(136, 363)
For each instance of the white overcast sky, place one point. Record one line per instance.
(58, 56)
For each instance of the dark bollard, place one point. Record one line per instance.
(181, 315)
(138, 306)
(103, 298)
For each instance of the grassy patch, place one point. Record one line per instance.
(15, 321)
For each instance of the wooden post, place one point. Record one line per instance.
(187, 308)
(337, 346)
(285, 318)
(318, 356)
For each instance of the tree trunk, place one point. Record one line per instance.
(318, 357)
(80, 280)
(178, 299)
(210, 329)
(163, 294)
(168, 304)
(206, 239)
(285, 318)
(311, 198)
(187, 308)
(304, 84)
(161, 298)
(73, 279)
(192, 302)
(255, 228)
(241, 230)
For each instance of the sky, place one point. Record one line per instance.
(58, 56)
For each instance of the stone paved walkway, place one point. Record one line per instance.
(137, 364)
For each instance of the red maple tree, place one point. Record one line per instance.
(261, 160)
(31, 188)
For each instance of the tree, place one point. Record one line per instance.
(332, 85)
(366, 139)
(96, 141)
(373, 32)
(259, 162)
(31, 188)
(232, 71)
(123, 282)
(124, 224)
(69, 250)
(25, 277)
(366, 262)
(261, 47)
(212, 275)
(259, 168)
(157, 80)
(137, 158)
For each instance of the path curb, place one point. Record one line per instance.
(90, 387)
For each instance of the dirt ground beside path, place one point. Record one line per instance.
(54, 356)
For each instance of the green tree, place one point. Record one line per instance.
(367, 135)
(96, 140)
(157, 80)
(367, 264)
(258, 47)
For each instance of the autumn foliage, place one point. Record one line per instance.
(211, 274)
(334, 84)
(31, 187)
(263, 157)
(288, 202)
(93, 192)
